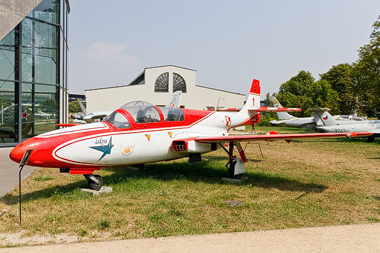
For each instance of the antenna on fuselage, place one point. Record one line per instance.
(217, 104)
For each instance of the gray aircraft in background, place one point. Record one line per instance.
(325, 122)
(285, 119)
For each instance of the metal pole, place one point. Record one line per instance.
(24, 161)
(19, 190)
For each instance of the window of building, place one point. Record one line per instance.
(162, 83)
(178, 83)
(33, 73)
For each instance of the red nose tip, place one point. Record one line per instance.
(18, 152)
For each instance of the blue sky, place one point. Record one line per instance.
(228, 43)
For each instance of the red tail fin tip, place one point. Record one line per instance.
(255, 88)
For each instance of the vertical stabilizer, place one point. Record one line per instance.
(281, 115)
(322, 117)
(176, 100)
(253, 100)
(82, 107)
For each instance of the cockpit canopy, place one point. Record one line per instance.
(144, 112)
(136, 103)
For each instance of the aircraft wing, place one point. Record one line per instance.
(96, 115)
(273, 136)
(278, 122)
(375, 131)
(319, 109)
(67, 124)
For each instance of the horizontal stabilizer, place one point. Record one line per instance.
(274, 109)
(319, 109)
(228, 109)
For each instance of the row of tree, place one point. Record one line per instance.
(346, 88)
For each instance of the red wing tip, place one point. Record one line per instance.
(359, 134)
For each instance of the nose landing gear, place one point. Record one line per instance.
(95, 182)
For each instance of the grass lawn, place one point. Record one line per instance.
(304, 183)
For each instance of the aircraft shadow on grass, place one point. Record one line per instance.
(198, 172)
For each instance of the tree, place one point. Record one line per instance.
(294, 93)
(74, 107)
(302, 91)
(298, 85)
(341, 79)
(323, 96)
(49, 105)
(367, 72)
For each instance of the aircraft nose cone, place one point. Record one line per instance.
(18, 152)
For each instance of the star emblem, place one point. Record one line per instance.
(25, 115)
(105, 149)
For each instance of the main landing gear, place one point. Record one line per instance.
(235, 166)
(95, 182)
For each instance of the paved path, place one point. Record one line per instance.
(9, 172)
(350, 238)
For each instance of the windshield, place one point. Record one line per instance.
(118, 120)
(136, 103)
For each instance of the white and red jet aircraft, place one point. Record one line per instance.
(140, 133)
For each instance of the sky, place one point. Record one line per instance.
(228, 43)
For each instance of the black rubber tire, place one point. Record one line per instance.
(371, 138)
(94, 186)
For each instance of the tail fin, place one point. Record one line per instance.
(176, 100)
(322, 117)
(253, 100)
(281, 115)
(82, 107)
(252, 108)
(251, 105)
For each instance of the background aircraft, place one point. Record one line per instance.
(326, 123)
(285, 119)
(139, 133)
(43, 114)
(7, 126)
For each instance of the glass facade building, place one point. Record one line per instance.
(33, 74)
